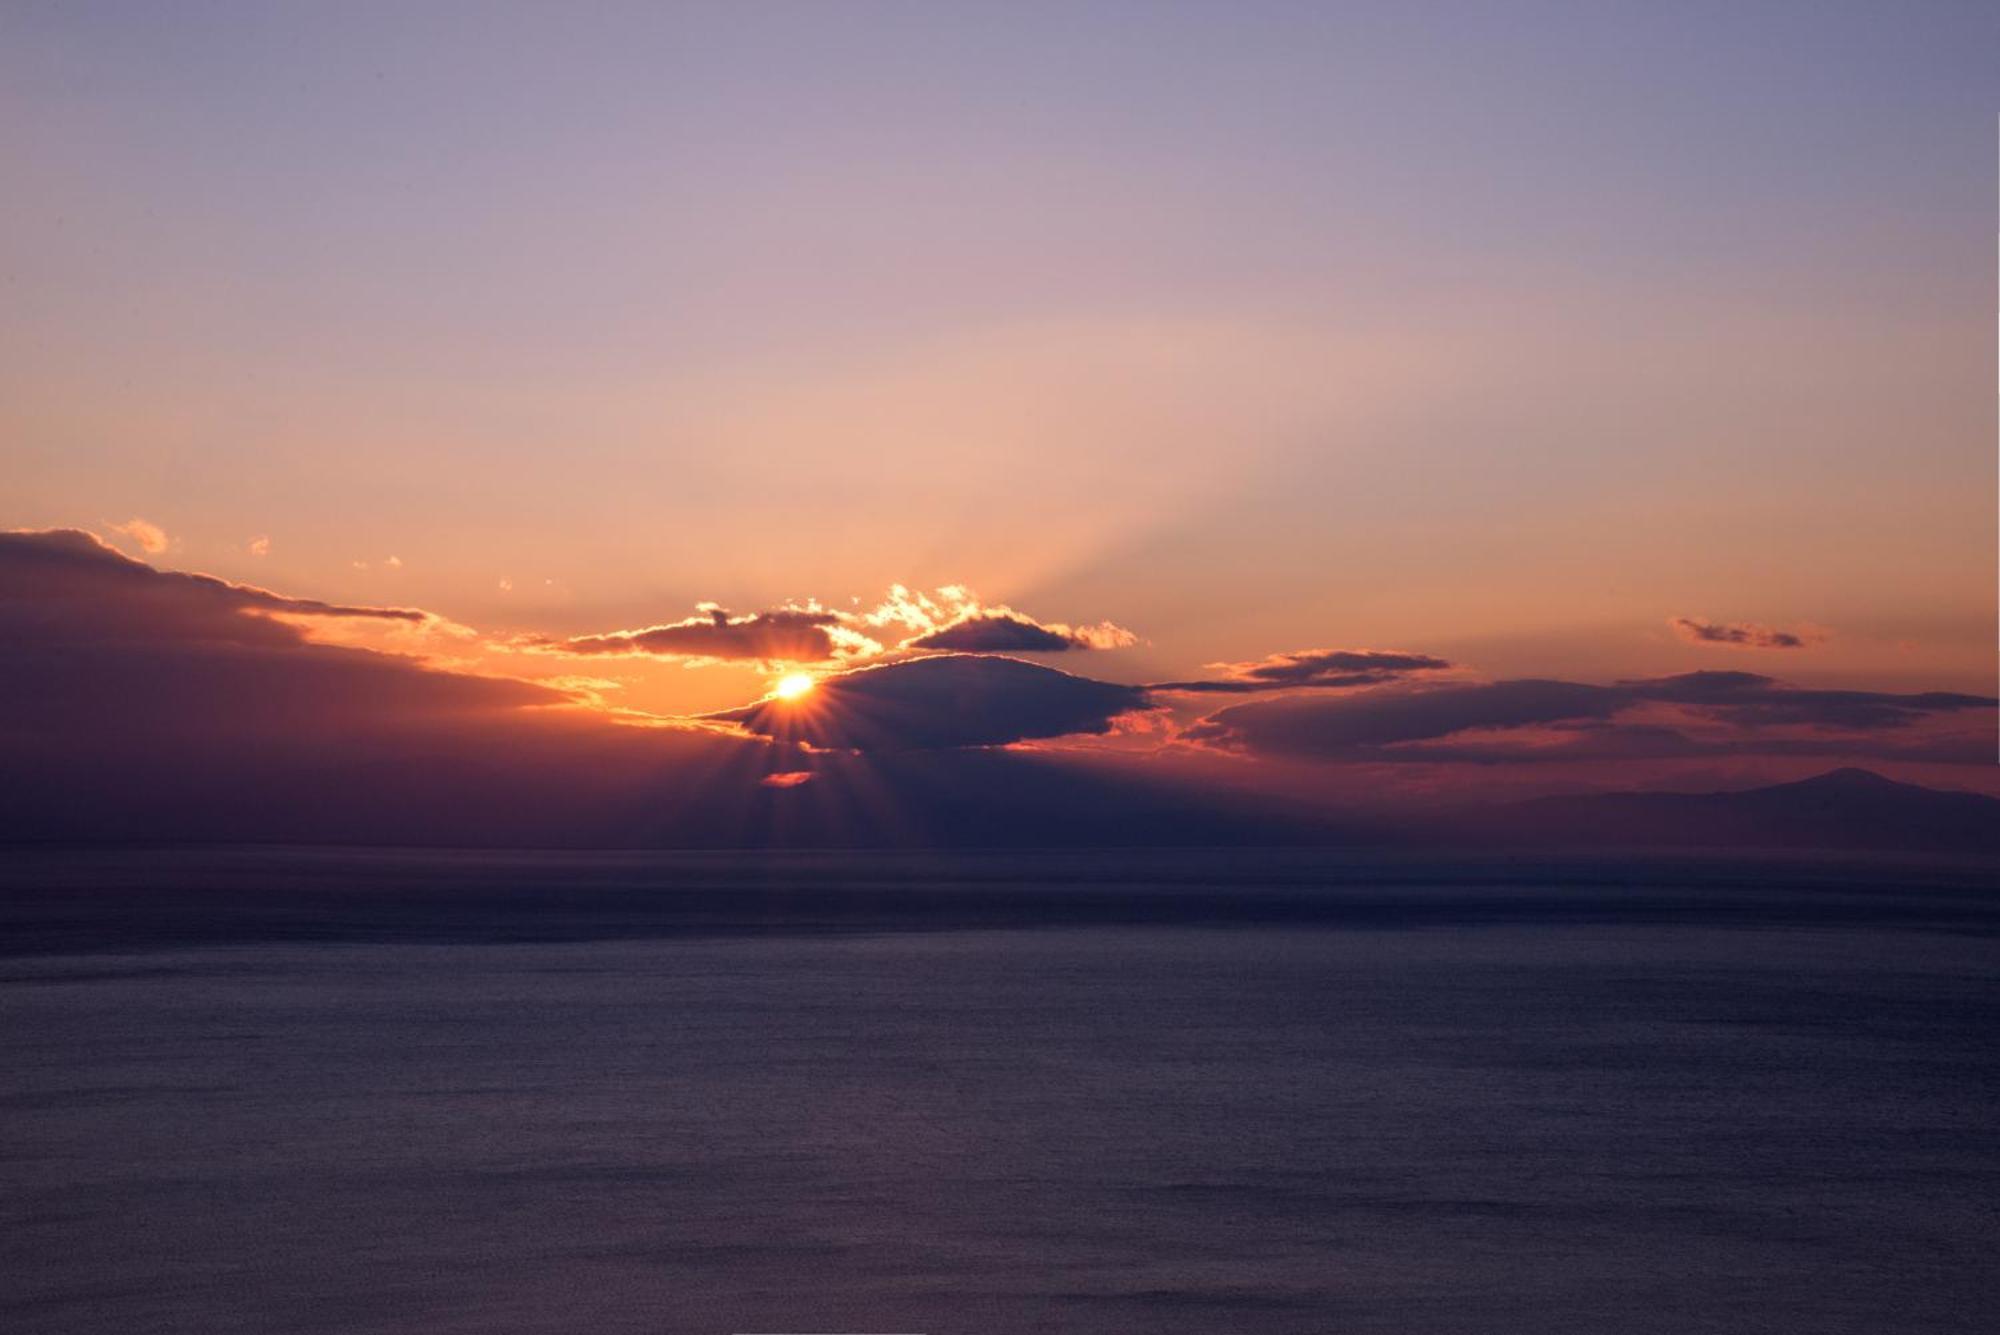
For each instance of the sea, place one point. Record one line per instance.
(313, 1090)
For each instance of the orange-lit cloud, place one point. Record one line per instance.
(949, 619)
(259, 546)
(787, 635)
(1004, 631)
(955, 619)
(152, 539)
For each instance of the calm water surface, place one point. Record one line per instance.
(1462, 1123)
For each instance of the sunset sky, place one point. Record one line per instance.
(648, 351)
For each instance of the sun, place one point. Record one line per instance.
(792, 685)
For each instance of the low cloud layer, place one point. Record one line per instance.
(138, 703)
(1322, 668)
(1738, 634)
(1697, 713)
(938, 702)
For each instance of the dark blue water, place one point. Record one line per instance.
(871, 1097)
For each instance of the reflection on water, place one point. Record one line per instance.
(1531, 1123)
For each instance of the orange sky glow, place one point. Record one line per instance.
(665, 387)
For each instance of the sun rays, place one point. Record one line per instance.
(793, 685)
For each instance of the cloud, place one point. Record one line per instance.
(942, 701)
(139, 704)
(950, 619)
(152, 539)
(73, 580)
(1322, 726)
(788, 635)
(97, 642)
(1321, 668)
(142, 703)
(259, 546)
(1739, 634)
(1005, 631)
(954, 618)
(1531, 720)
(1750, 700)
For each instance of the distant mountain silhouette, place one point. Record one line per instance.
(1841, 809)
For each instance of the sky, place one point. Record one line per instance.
(1574, 344)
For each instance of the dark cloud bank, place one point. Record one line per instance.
(142, 705)
(951, 700)
(1532, 721)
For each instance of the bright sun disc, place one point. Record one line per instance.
(793, 686)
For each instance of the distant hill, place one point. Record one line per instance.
(1841, 809)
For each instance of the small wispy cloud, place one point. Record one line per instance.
(259, 546)
(1741, 634)
(152, 539)
(1322, 668)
